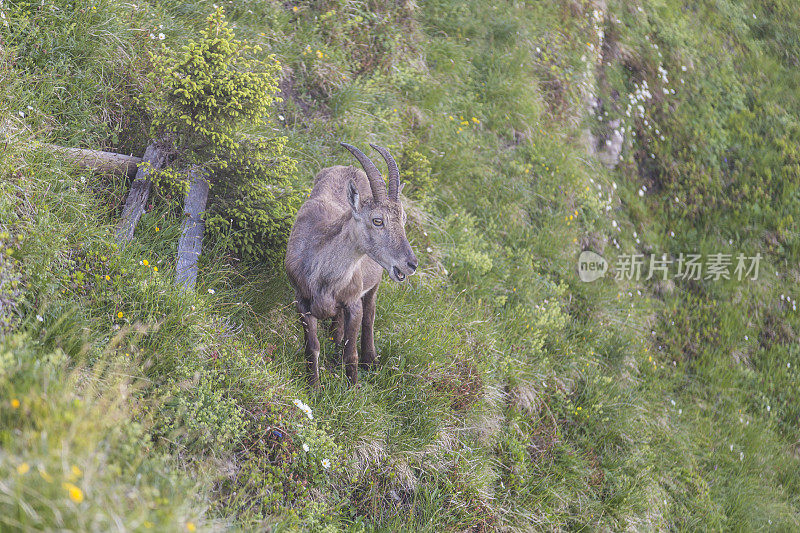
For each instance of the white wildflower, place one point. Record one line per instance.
(305, 447)
(326, 463)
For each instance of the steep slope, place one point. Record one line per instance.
(510, 394)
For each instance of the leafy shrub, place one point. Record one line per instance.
(205, 92)
(253, 205)
(202, 97)
(468, 254)
(200, 409)
(415, 172)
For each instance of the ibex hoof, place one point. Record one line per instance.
(369, 361)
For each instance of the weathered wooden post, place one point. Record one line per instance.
(155, 157)
(190, 245)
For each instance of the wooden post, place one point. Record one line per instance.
(190, 245)
(156, 156)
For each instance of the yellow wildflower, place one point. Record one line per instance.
(159, 229)
(190, 526)
(108, 278)
(155, 269)
(120, 315)
(76, 471)
(145, 262)
(319, 54)
(295, 9)
(75, 493)
(15, 403)
(23, 468)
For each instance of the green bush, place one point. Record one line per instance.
(202, 98)
(254, 203)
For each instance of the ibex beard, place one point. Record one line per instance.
(346, 234)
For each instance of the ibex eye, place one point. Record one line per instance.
(378, 222)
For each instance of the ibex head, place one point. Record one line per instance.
(381, 221)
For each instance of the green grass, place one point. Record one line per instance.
(509, 394)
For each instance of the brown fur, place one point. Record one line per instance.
(335, 259)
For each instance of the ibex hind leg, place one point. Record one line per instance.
(335, 332)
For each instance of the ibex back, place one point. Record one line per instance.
(348, 231)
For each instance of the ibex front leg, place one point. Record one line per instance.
(352, 323)
(309, 323)
(369, 357)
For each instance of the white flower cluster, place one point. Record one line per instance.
(606, 199)
(788, 300)
(160, 36)
(642, 95)
(303, 407)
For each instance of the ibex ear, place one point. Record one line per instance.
(401, 188)
(353, 198)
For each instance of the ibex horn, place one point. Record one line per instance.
(394, 172)
(376, 182)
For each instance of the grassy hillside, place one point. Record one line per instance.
(510, 395)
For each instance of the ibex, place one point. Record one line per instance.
(345, 234)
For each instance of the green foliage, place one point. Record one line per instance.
(254, 203)
(72, 458)
(203, 99)
(415, 172)
(208, 90)
(509, 394)
(467, 255)
(12, 292)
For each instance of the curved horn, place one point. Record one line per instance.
(394, 172)
(376, 182)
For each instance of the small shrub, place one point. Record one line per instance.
(201, 99)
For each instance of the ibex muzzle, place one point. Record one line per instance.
(348, 231)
